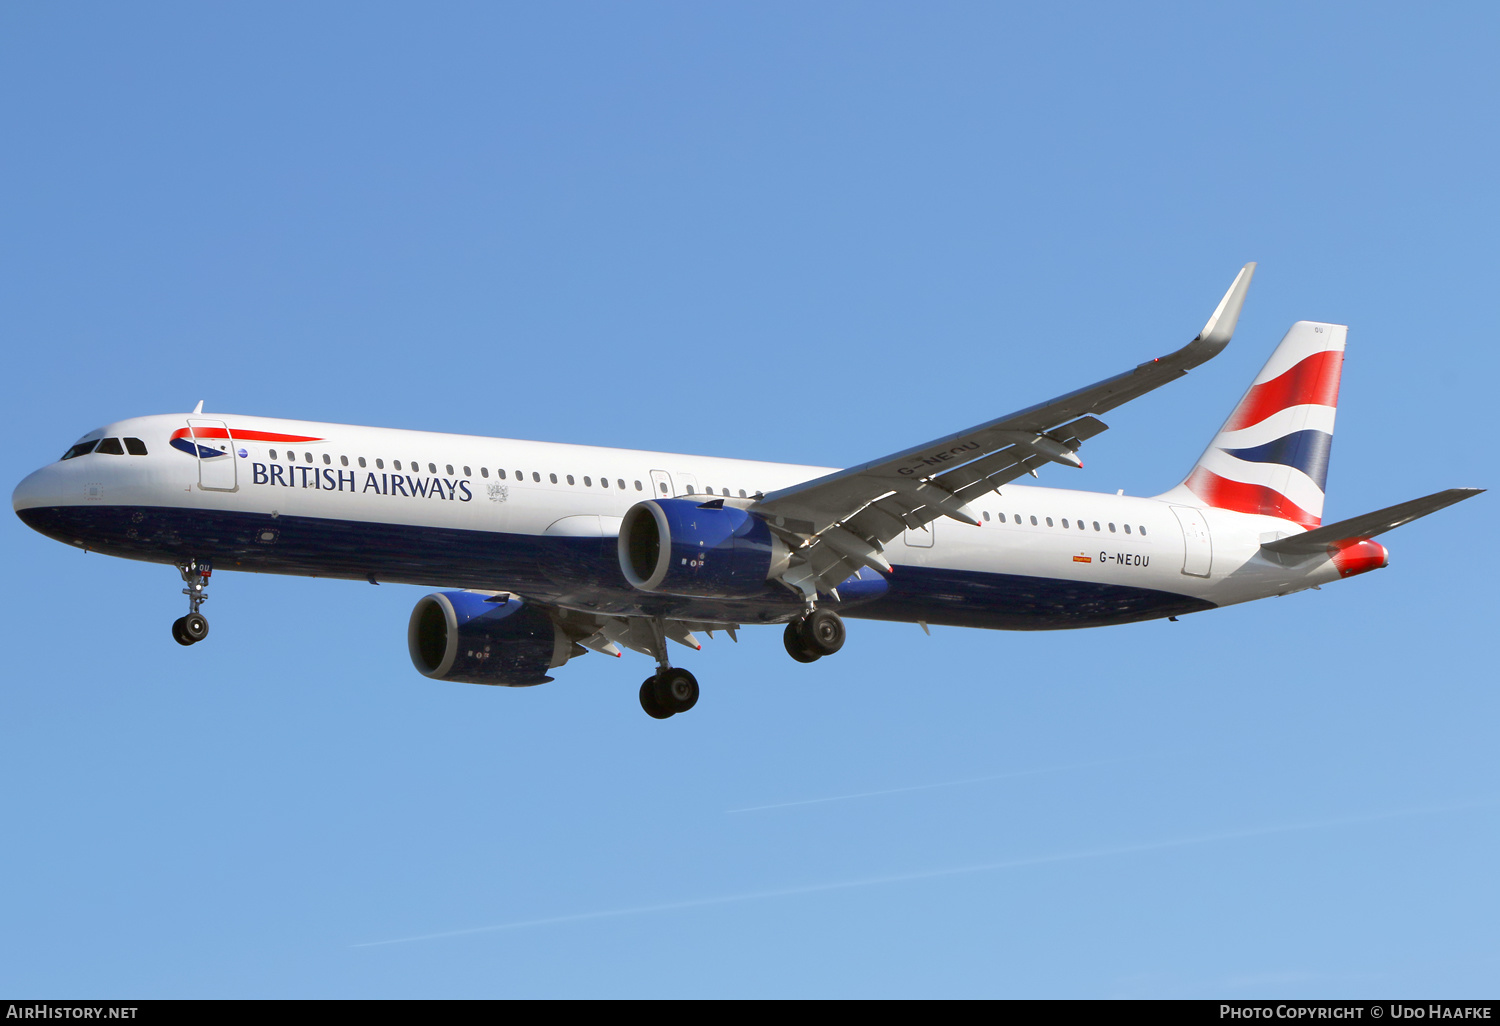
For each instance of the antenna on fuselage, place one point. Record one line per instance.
(199, 407)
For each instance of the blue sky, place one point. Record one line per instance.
(789, 232)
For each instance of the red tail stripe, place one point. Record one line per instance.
(1313, 382)
(242, 435)
(1222, 493)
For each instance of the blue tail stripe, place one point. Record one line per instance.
(1305, 450)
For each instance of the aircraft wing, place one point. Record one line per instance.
(841, 521)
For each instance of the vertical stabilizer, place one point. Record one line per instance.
(1271, 456)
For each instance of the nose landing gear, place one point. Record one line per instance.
(820, 633)
(193, 628)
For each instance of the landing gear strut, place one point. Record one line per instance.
(820, 633)
(670, 690)
(193, 628)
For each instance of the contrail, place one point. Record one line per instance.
(931, 874)
(927, 787)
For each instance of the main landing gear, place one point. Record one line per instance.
(819, 633)
(193, 628)
(670, 690)
(815, 635)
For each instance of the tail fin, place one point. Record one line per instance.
(1271, 456)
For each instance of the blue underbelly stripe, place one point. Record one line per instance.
(581, 573)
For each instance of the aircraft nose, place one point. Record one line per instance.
(39, 488)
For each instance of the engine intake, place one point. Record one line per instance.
(464, 636)
(700, 550)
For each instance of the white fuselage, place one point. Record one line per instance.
(384, 502)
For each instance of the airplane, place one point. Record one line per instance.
(553, 551)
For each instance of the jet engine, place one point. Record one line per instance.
(701, 550)
(479, 638)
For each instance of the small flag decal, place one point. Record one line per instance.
(1082, 559)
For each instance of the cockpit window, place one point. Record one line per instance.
(111, 447)
(81, 449)
(135, 447)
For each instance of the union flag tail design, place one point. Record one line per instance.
(1271, 456)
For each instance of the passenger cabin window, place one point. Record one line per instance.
(986, 516)
(1001, 516)
(588, 482)
(690, 489)
(570, 479)
(1096, 525)
(1033, 521)
(1127, 528)
(380, 464)
(604, 482)
(483, 471)
(81, 449)
(1111, 528)
(327, 460)
(343, 461)
(361, 463)
(1143, 532)
(621, 483)
(536, 477)
(432, 468)
(135, 447)
(449, 468)
(663, 487)
(273, 454)
(112, 447)
(396, 464)
(466, 472)
(1065, 521)
(500, 474)
(553, 477)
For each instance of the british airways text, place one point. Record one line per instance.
(330, 480)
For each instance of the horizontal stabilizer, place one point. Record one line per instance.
(1368, 525)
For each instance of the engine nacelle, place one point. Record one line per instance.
(701, 550)
(464, 636)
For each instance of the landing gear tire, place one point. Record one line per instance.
(190, 629)
(194, 627)
(796, 645)
(648, 700)
(822, 632)
(676, 690)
